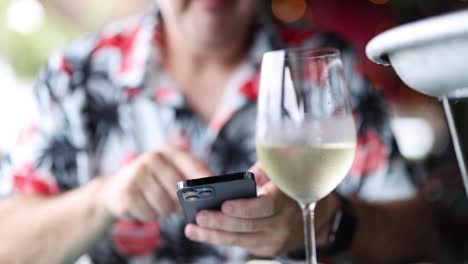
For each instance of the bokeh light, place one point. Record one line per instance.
(414, 136)
(25, 16)
(289, 10)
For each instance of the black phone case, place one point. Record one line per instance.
(210, 193)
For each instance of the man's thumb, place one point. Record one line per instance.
(260, 175)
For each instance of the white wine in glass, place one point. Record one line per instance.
(306, 136)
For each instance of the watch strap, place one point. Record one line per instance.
(342, 229)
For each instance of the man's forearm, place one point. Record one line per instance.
(396, 232)
(51, 230)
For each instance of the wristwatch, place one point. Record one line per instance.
(342, 229)
(341, 234)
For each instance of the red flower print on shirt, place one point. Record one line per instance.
(27, 181)
(164, 95)
(250, 88)
(371, 154)
(132, 92)
(134, 238)
(125, 42)
(65, 66)
(179, 140)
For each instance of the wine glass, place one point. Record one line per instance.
(306, 135)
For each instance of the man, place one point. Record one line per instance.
(126, 114)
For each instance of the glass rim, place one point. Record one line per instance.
(312, 53)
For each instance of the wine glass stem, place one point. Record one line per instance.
(309, 232)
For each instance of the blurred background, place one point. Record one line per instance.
(30, 30)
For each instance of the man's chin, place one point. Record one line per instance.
(215, 5)
(212, 43)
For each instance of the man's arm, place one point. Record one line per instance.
(60, 229)
(51, 230)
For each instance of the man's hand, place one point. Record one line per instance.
(145, 189)
(268, 225)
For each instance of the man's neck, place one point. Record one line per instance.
(201, 71)
(192, 59)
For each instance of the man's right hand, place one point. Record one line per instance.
(145, 189)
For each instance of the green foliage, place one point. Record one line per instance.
(27, 53)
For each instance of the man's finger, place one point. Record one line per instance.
(260, 175)
(219, 221)
(157, 197)
(165, 173)
(141, 210)
(187, 164)
(259, 207)
(217, 237)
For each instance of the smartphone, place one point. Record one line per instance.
(209, 193)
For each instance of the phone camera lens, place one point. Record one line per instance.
(190, 193)
(192, 198)
(206, 193)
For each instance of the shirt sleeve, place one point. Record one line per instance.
(379, 172)
(50, 155)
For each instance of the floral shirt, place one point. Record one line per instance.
(105, 99)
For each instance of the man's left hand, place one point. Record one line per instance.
(268, 225)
